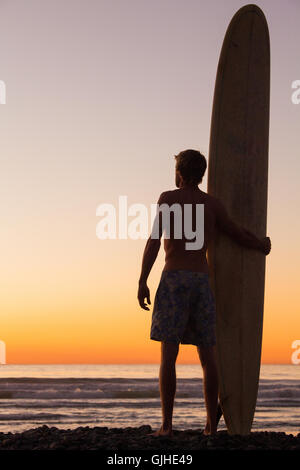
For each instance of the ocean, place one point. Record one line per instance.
(68, 396)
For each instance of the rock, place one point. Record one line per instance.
(53, 445)
(5, 442)
(145, 429)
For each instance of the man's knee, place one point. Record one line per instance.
(169, 351)
(207, 356)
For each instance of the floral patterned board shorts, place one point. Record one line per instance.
(184, 309)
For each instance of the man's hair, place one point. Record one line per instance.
(191, 165)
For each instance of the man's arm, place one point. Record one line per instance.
(150, 254)
(239, 234)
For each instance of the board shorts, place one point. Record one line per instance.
(184, 309)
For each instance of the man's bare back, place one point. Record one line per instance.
(177, 256)
(215, 218)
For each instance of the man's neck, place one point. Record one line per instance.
(189, 186)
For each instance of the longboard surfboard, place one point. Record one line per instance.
(238, 175)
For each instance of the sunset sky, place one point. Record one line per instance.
(100, 96)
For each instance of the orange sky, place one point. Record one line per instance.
(98, 102)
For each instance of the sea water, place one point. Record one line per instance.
(68, 396)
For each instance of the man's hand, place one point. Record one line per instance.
(266, 245)
(143, 293)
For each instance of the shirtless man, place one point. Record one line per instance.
(184, 307)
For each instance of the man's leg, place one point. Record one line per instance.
(207, 357)
(167, 386)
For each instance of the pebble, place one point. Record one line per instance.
(137, 438)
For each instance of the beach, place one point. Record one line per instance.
(134, 439)
(114, 408)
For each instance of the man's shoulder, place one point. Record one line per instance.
(170, 197)
(174, 195)
(167, 196)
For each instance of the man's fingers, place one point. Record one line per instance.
(142, 303)
(144, 306)
(267, 245)
(144, 293)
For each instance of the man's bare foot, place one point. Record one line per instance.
(165, 432)
(208, 432)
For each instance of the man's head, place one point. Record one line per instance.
(190, 167)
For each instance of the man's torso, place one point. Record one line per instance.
(177, 256)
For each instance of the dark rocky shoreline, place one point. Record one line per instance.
(134, 439)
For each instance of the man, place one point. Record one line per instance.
(184, 306)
